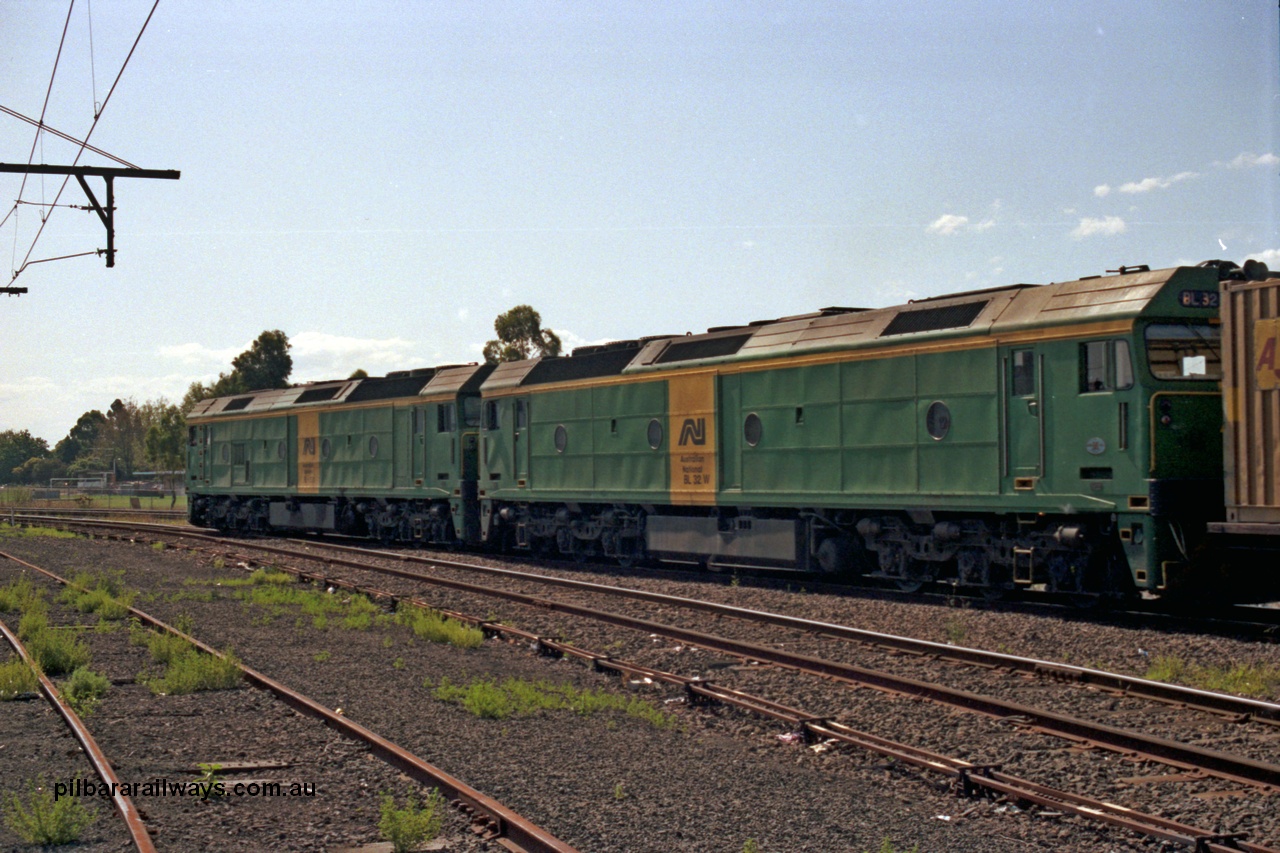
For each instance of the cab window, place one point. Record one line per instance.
(471, 411)
(1184, 350)
(1105, 366)
(446, 418)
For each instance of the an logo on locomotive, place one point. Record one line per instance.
(693, 431)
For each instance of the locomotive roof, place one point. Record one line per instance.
(424, 382)
(993, 311)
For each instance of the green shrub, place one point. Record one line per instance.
(194, 671)
(84, 690)
(34, 621)
(20, 595)
(42, 819)
(271, 576)
(16, 678)
(104, 594)
(57, 652)
(435, 628)
(164, 647)
(1248, 679)
(411, 826)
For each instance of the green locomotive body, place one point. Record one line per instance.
(1065, 435)
(394, 457)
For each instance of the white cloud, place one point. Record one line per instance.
(1106, 226)
(1102, 191)
(1249, 160)
(985, 225)
(200, 354)
(319, 355)
(1148, 184)
(948, 224)
(1271, 257)
(569, 341)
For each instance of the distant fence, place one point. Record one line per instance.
(143, 496)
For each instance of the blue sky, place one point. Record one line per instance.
(380, 180)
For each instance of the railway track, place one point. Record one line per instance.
(122, 803)
(1261, 622)
(1239, 770)
(489, 818)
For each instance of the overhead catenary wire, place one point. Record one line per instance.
(36, 141)
(84, 144)
(93, 71)
(68, 137)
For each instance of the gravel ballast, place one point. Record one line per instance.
(710, 780)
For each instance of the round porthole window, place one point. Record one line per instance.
(326, 447)
(373, 446)
(226, 453)
(752, 430)
(561, 438)
(938, 421)
(655, 434)
(280, 450)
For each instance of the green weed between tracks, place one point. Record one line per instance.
(44, 819)
(84, 690)
(16, 679)
(436, 628)
(103, 594)
(411, 826)
(1259, 681)
(184, 668)
(12, 531)
(20, 596)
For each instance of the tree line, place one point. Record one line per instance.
(130, 436)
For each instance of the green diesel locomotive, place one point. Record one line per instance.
(1065, 436)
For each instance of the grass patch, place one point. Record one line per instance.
(275, 591)
(1245, 679)
(433, 627)
(84, 690)
(194, 671)
(102, 594)
(408, 827)
(185, 669)
(16, 678)
(258, 577)
(12, 531)
(57, 652)
(20, 596)
(164, 647)
(517, 697)
(34, 621)
(42, 819)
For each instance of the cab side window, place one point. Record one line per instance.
(1105, 366)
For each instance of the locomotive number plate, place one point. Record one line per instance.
(1198, 298)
